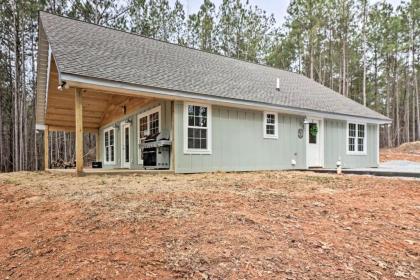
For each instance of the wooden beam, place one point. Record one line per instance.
(113, 106)
(59, 123)
(70, 106)
(116, 112)
(68, 96)
(101, 103)
(79, 130)
(46, 153)
(71, 129)
(71, 112)
(70, 118)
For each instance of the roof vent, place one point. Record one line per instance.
(278, 84)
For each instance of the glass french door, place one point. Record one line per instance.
(125, 145)
(143, 132)
(148, 124)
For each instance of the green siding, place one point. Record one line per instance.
(335, 146)
(238, 143)
(166, 119)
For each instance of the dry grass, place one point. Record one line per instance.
(262, 225)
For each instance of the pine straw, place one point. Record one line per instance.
(408, 151)
(410, 147)
(257, 225)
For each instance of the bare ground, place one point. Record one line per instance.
(263, 225)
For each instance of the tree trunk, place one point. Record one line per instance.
(407, 107)
(416, 86)
(1, 130)
(376, 80)
(340, 79)
(344, 76)
(16, 89)
(364, 51)
(22, 116)
(311, 56)
(388, 105)
(65, 146)
(331, 62)
(397, 111)
(413, 101)
(416, 136)
(33, 147)
(50, 147)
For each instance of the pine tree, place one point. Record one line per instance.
(201, 28)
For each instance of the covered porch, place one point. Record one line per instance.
(86, 109)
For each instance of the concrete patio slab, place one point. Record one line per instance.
(394, 168)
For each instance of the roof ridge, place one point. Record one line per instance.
(170, 43)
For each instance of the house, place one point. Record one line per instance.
(218, 113)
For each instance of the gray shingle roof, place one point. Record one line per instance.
(94, 51)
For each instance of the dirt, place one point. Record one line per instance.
(262, 225)
(407, 151)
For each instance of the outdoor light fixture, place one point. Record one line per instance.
(129, 120)
(302, 126)
(124, 109)
(62, 85)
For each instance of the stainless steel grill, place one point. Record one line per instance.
(155, 144)
(156, 151)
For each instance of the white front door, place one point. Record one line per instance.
(125, 145)
(314, 142)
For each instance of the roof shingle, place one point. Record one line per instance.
(94, 51)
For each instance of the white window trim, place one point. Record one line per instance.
(356, 152)
(147, 113)
(276, 126)
(115, 144)
(209, 129)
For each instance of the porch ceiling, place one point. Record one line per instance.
(99, 107)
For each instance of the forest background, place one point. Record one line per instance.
(365, 50)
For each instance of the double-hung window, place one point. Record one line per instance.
(270, 128)
(197, 128)
(109, 141)
(356, 138)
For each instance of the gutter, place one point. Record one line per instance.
(78, 81)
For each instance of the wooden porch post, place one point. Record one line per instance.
(79, 130)
(97, 145)
(46, 154)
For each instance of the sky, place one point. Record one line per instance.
(276, 7)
